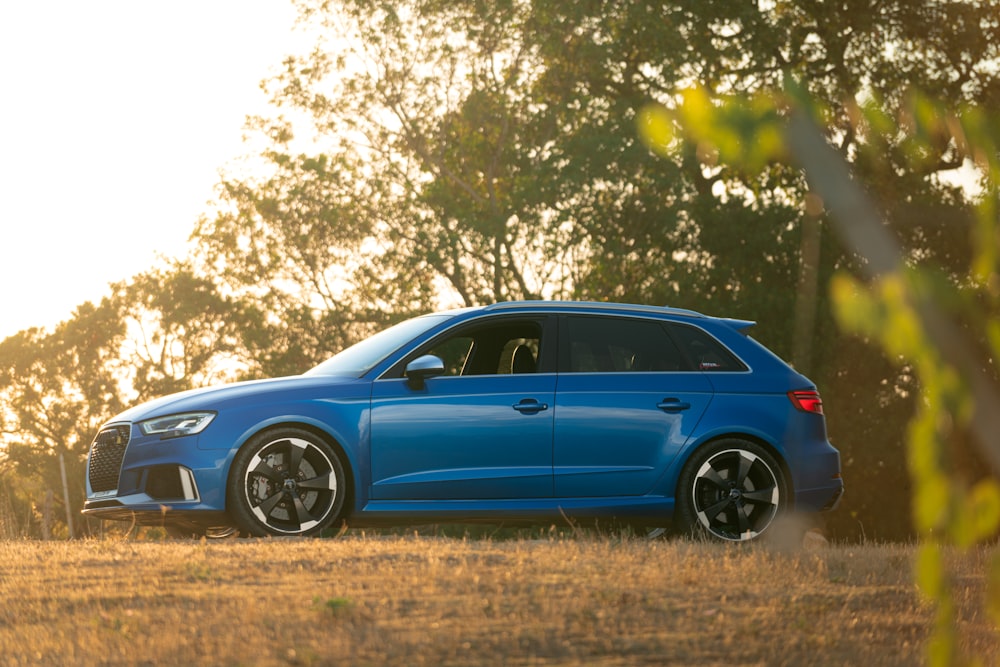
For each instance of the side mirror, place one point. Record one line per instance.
(421, 368)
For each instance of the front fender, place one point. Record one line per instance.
(344, 422)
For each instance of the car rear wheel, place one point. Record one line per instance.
(731, 490)
(286, 482)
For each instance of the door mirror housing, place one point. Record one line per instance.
(421, 368)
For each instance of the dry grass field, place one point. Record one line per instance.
(417, 600)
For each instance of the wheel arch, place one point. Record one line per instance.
(771, 449)
(350, 470)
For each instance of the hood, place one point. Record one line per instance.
(218, 397)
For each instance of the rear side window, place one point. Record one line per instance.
(618, 345)
(705, 353)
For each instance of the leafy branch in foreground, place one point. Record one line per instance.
(945, 327)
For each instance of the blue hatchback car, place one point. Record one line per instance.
(514, 412)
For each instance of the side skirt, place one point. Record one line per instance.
(627, 509)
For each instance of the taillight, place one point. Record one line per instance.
(806, 400)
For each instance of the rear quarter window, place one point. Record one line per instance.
(704, 351)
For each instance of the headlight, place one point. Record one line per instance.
(175, 426)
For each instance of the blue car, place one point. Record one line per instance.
(516, 412)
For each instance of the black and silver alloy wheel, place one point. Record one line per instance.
(732, 491)
(286, 482)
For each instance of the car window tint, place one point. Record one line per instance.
(619, 345)
(454, 352)
(500, 348)
(705, 352)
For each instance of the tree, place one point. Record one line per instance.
(418, 197)
(163, 331)
(297, 252)
(57, 388)
(180, 333)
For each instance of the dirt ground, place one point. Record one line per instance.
(418, 600)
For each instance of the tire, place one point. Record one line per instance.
(286, 482)
(730, 490)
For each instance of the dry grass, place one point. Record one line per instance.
(438, 601)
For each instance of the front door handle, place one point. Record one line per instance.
(673, 405)
(530, 406)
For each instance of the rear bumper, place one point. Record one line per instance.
(817, 476)
(823, 499)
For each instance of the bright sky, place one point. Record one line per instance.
(115, 119)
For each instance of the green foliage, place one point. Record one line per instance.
(898, 310)
(741, 131)
(335, 606)
(945, 510)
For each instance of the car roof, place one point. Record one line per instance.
(610, 307)
(591, 305)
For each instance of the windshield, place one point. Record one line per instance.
(363, 356)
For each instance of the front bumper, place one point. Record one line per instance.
(154, 481)
(145, 513)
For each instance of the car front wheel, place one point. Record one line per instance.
(731, 490)
(286, 482)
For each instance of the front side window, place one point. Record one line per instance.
(497, 348)
(618, 345)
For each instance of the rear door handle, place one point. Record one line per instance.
(530, 406)
(673, 405)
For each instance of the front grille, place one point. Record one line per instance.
(106, 456)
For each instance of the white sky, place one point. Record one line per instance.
(115, 118)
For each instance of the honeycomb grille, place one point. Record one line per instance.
(106, 456)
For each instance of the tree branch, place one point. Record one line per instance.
(856, 220)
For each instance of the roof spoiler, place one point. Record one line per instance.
(739, 325)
